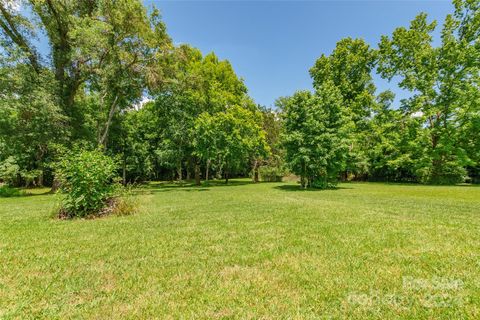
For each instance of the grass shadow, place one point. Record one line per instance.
(41, 193)
(160, 190)
(24, 192)
(188, 186)
(291, 188)
(469, 185)
(413, 184)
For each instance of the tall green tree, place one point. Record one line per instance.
(230, 139)
(349, 68)
(31, 124)
(201, 84)
(102, 57)
(314, 135)
(390, 143)
(272, 125)
(444, 84)
(111, 48)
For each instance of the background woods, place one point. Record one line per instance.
(112, 79)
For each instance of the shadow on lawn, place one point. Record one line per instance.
(43, 193)
(188, 186)
(290, 187)
(24, 192)
(192, 189)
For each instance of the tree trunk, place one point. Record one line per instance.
(179, 172)
(197, 173)
(303, 177)
(191, 163)
(255, 172)
(103, 139)
(124, 173)
(206, 170)
(40, 179)
(226, 173)
(40, 176)
(55, 185)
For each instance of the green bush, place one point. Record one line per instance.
(32, 177)
(9, 171)
(320, 183)
(90, 181)
(125, 204)
(271, 173)
(448, 174)
(7, 191)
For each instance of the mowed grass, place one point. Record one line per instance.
(270, 251)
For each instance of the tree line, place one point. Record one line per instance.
(346, 129)
(112, 79)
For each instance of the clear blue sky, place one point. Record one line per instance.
(273, 44)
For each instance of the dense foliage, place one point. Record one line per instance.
(271, 173)
(112, 78)
(314, 137)
(431, 137)
(7, 191)
(89, 180)
(230, 139)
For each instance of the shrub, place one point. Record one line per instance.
(9, 171)
(122, 204)
(447, 174)
(32, 177)
(7, 191)
(271, 173)
(126, 204)
(90, 181)
(323, 183)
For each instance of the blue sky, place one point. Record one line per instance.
(273, 44)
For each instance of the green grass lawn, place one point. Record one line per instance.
(364, 251)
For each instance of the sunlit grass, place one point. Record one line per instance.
(248, 251)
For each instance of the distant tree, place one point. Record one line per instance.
(201, 84)
(272, 125)
(314, 136)
(349, 68)
(205, 135)
(9, 171)
(133, 138)
(230, 138)
(444, 85)
(390, 142)
(31, 123)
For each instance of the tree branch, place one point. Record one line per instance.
(103, 139)
(10, 29)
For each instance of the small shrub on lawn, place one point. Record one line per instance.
(271, 173)
(90, 182)
(125, 205)
(7, 191)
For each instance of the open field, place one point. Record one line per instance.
(248, 251)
